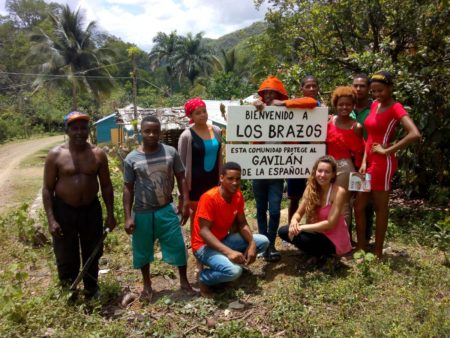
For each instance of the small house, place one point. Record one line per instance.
(107, 130)
(116, 127)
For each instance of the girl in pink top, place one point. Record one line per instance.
(325, 232)
(379, 156)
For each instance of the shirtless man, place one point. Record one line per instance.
(72, 175)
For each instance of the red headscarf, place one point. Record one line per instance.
(273, 83)
(192, 104)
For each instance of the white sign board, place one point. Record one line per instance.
(260, 161)
(246, 124)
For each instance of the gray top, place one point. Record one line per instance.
(153, 176)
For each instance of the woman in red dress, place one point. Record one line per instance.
(379, 155)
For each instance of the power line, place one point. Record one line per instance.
(103, 66)
(53, 77)
(16, 86)
(56, 76)
(22, 85)
(64, 76)
(75, 74)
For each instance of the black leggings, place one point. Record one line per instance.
(312, 243)
(81, 227)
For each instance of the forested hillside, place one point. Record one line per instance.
(37, 88)
(232, 40)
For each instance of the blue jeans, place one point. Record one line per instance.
(268, 194)
(221, 269)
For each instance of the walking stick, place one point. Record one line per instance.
(89, 261)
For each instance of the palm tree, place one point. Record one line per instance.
(192, 58)
(229, 60)
(71, 56)
(163, 52)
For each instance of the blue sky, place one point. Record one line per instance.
(138, 21)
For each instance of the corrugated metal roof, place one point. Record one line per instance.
(105, 118)
(174, 117)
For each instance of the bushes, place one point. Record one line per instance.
(228, 85)
(334, 40)
(11, 281)
(14, 127)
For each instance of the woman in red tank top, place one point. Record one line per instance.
(345, 141)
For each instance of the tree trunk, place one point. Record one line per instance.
(74, 97)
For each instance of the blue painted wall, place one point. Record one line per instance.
(104, 127)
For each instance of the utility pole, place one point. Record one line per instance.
(132, 52)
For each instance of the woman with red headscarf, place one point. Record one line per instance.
(199, 147)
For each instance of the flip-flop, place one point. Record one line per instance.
(146, 296)
(191, 293)
(206, 292)
(312, 261)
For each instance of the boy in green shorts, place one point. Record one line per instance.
(148, 182)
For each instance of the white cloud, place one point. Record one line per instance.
(2, 7)
(138, 21)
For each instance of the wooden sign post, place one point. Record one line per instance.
(271, 129)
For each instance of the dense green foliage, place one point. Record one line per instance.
(334, 40)
(69, 54)
(51, 63)
(191, 57)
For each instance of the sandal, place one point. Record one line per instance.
(146, 296)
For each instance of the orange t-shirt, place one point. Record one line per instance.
(212, 207)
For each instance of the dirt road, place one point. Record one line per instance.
(11, 154)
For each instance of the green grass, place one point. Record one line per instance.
(37, 159)
(406, 295)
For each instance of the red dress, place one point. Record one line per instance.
(380, 129)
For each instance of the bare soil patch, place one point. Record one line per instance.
(18, 183)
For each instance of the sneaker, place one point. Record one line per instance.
(271, 254)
